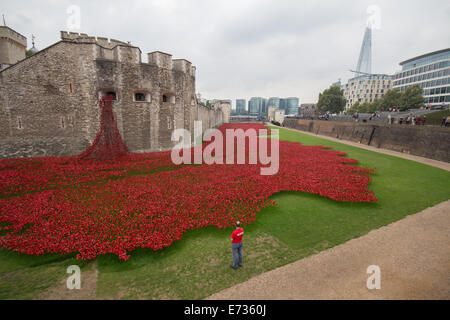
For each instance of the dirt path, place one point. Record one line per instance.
(413, 255)
(87, 291)
(430, 162)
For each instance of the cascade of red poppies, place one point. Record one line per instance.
(108, 144)
(63, 205)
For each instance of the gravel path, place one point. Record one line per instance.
(413, 255)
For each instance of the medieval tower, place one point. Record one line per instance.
(49, 101)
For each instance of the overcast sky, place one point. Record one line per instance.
(245, 48)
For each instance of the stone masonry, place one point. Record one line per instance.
(51, 98)
(426, 141)
(12, 47)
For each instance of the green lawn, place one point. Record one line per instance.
(198, 265)
(435, 118)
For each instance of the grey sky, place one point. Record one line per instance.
(245, 48)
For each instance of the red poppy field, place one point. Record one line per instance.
(67, 205)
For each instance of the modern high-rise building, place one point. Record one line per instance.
(240, 106)
(264, 106)
(431, 72)
(255, 106)
(366, 86)
(258, 106)
(292, 105)
(365, 56)
(274, 102)
(282, 104)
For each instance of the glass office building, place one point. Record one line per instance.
(292, 105)
(282, 104)
(431, 72)
(255, 106)
(264, 106)
(274, 102)
(240, 106)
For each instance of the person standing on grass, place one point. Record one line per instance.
(236, 245)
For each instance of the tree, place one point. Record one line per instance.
(376, 105)
(331, 100)
(365, 107)
(412, 98)
(28, 53)
(354, 108)
(392, 99)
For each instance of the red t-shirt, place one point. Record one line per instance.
(237, 235)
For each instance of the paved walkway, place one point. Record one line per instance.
(413, 255)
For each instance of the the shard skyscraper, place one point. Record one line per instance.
(365, 56)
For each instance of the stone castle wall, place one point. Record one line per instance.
(426, 141)
(12, 46)
(52, 97)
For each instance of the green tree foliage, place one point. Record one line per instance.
(354, 108)
(391, 99)
(28, 53)
(331, 100)
(411, 98)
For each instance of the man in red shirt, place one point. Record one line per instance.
(236, 245)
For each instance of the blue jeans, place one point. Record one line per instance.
(237, 254)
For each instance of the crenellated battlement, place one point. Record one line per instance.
(109, 50)
(84, 38)
(161, 59)
(182, 65)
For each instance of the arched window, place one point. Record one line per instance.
(112, 93)
(107, 92)
(168, 98)
(141, 97)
